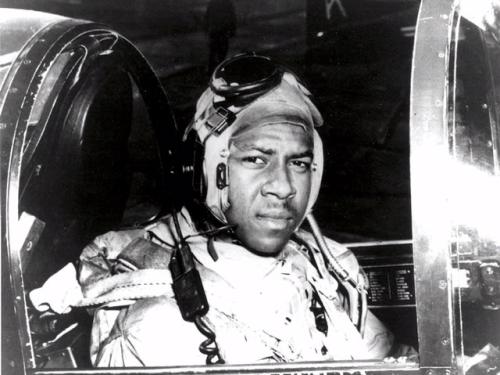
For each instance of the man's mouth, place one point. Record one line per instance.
(275, 221)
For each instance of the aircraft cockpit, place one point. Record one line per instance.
(90, 142)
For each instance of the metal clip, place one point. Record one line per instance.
(219, 120)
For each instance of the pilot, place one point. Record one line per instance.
(232, 280)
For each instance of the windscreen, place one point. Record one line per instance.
(475, 180)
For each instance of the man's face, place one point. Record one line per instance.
(269, 184)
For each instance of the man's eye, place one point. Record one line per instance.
(301, 165)
(255, 160)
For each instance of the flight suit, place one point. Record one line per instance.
(262, 309)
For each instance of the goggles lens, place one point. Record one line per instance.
(245, 77)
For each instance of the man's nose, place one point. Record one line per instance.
(279, 183)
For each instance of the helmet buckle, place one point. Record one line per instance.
(219, 120)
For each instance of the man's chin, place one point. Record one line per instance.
(265, 246)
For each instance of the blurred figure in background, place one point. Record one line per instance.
(220, 25)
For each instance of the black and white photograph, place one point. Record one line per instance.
(287, 187)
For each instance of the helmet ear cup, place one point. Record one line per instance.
(194, 181)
